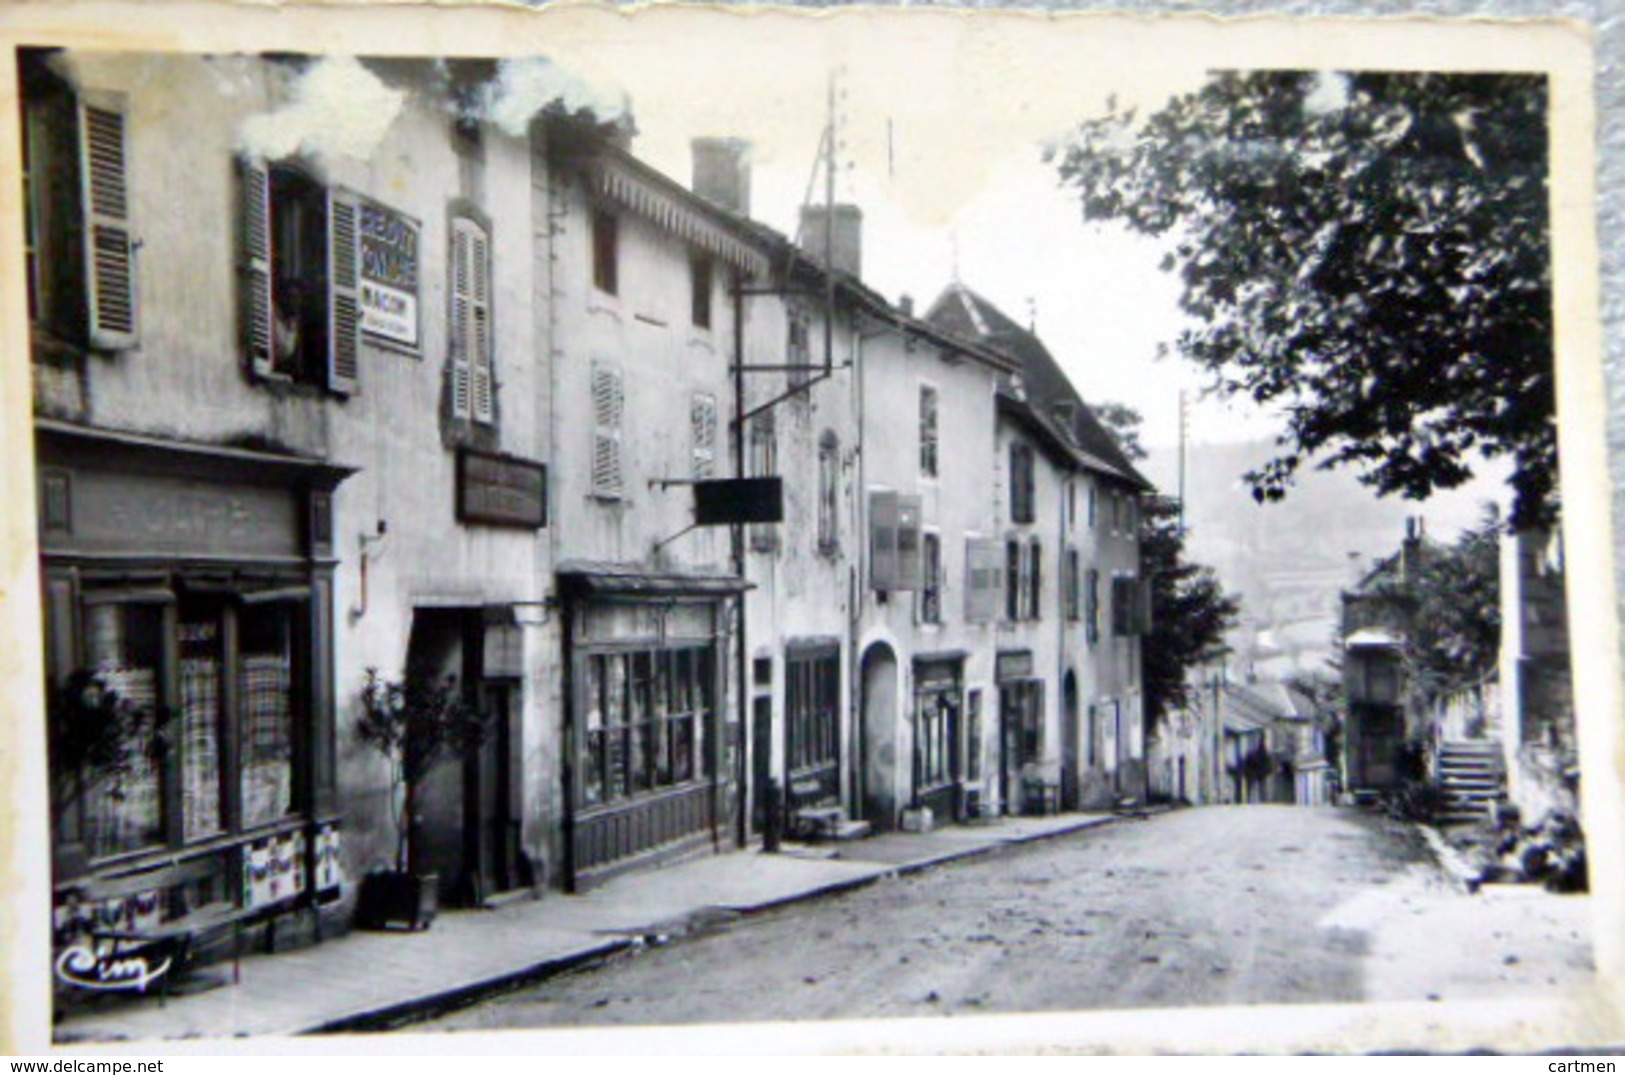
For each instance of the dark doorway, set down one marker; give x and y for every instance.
(761, 758)
(491, 787)
(1069, 742)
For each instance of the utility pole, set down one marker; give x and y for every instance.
(1184, 424)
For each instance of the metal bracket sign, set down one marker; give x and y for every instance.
(727, 501)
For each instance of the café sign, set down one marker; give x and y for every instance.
(389, 275)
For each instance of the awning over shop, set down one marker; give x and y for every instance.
(587, 578)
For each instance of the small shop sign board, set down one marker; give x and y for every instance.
(500, 490)
(389, 275)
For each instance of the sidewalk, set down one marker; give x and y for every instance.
(364, 980)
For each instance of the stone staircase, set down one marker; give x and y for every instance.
(1470, 773)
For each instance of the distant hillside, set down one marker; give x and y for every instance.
(1289, 560)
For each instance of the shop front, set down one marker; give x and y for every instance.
(188, 596)
(650, 743)
(1021, 733)
(939, 700)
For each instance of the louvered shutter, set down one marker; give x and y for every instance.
(256, 192)
(343, 293)
(883, 541)
(479, 339)
(703, 428)
(109, 244)
(462, 289)
(607, 403)
(910, 512)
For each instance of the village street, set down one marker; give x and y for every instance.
(1216, 905)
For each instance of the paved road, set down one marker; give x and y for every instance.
(1220, 905)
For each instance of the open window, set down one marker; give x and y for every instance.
(300, 278)
(79, 242)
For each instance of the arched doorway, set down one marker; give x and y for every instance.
(874, 797)
(1069, 741)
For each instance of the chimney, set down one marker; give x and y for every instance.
(846, 236)
(722, 172)
(905, 303)
(1064, 412)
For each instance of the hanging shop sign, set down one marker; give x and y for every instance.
(389, 275)
(723, 501)
(501, 490)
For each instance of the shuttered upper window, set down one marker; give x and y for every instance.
(301, 270)
(473, 381)
(702, 420)
(79, 240)
(608, 402)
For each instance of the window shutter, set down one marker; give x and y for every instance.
(1035, 604)
(702, 416)
(981, 580)
(1093, 610)
(607, 403)
(909, 560)
(883, 511)
(462, 316)
(479, 340)
(256, 183)
(343, 293)
(109, 245)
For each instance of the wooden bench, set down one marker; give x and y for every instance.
(187, 935)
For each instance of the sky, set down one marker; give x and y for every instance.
(941, 144)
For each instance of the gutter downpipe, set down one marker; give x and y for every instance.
(737, 541)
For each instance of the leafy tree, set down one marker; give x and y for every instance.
(1451, 593)
(1190, 613)
(1123, 422)
(1366, 254)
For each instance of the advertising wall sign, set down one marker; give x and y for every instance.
(389, 275)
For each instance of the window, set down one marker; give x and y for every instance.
(1091, 506)
(1013, 588)
(215, 679)
(981, 580)
(79, 243)
(1021, 483)
(644, 718)
(699, 283)
(702, 421)
(1035, 580)
(1092, 611)
(829, 474)
(606, 252)
(931, 579)
(798, 348)
(812, 694)
(301, 262)
(1071, 585)
(928, 431)
(763, 462)
(1131, 613)
(473, 390)
(608, 402)
(1071, 505)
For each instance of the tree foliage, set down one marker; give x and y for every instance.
(1366, 254)
(1123, 422)
(1190, 613)
(1452, 594)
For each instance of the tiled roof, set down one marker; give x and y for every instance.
(963, 312)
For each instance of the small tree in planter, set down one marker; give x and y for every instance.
(96, 739)
(415, 723)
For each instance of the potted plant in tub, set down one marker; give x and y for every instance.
(416, 723)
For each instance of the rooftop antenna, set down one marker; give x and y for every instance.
(1032, 315)
(953, 247)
